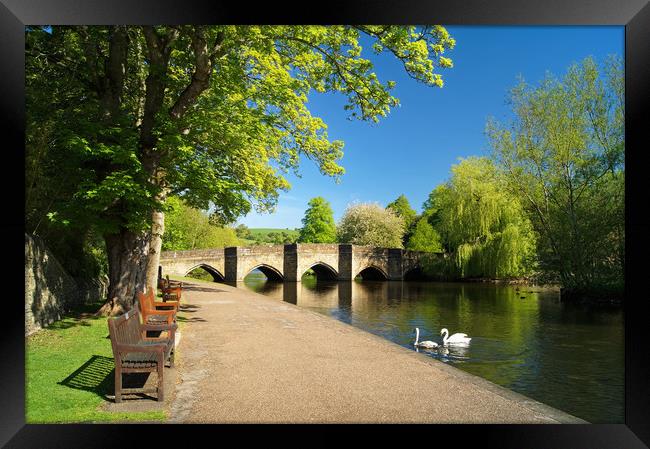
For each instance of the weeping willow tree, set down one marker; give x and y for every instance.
(484, 228)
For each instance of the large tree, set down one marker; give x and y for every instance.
(189, 228)
(216, 114)
(563, 155)
(318, 223)
(403, 209)
(424, 237)
(369, 224)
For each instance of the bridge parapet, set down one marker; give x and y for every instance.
(259, 250)
(182, 262)
(212, 252)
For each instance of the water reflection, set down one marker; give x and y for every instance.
(570, 357)
(447, 353)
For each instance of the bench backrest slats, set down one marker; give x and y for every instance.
(125, 329)
(146, 301)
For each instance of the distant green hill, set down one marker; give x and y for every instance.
(266, 231)
(271, 235)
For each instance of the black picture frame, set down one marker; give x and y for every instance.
(633, 14)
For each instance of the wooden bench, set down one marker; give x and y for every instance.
(171, 290)
(166, 282)
(172, 293)
(156, 312)
(134, 352)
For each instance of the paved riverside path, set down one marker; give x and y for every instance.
(247, 358)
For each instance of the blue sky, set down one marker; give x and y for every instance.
(412, 150)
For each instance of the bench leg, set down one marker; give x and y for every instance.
(161, 389)
(118, 385)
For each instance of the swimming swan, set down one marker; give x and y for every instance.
(423, 344)
(455, 339)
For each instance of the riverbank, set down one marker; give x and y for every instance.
(248, 358)
(597, 296)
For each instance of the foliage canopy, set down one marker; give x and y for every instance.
(563, 155)
(318, 223)
(424, 237)
(121, 117)
(372, 225)
(188, 228)
(482, 224)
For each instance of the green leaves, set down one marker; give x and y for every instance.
(249, 126)
(318, 223)
(403, 209)
(563, 155)
(372, 225)
(424, 237)
(482, 224)
(189, 228)
(121, 117)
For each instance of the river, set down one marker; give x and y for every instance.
(523, 338)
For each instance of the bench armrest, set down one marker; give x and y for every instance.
(173, 304)
(159, 327)
(121, 348)
(162, 312)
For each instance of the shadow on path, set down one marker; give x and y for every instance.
(182, 319)
(191, 308)
(196, 288)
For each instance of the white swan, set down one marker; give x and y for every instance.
(423, 344)
(456, 339)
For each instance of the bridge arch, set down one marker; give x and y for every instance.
(323, 271)
(372, 273)
(414, 274)
(216, 275)
(271, 273)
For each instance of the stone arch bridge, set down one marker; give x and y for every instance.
(289, 262)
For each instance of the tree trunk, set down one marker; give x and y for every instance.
(155, 246)
(127, 259)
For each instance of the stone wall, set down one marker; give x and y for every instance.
(49, 290)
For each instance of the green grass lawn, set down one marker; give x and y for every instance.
(69, 368)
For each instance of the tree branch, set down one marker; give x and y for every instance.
(204, 61)
(158, 53)
(115, 70)
(338, 68)
(90, 51)
(401, 57)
